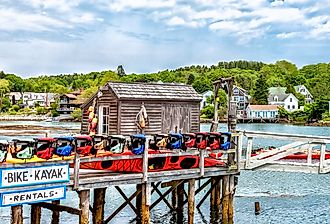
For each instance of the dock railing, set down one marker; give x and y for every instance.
(199, 172)
(275, 159)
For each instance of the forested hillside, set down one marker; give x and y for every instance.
(247, 73)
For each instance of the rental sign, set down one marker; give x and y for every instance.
(32, 196)
(27, 176)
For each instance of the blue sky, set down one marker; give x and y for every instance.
(66, 36)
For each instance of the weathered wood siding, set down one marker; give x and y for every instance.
(163, 117)
(108, 99)
(128, 112)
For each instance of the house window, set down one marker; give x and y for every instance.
(293, 106)
(236, 91)
(104, 112)
(276, 98)
(289, 107)
(290, 99)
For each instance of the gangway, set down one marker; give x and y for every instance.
(275, 159)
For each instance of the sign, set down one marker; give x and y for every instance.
(32, 196)
(16, 177)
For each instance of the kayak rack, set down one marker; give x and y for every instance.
(217, 183)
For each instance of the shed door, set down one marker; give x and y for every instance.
(104, 113)
(175, 115)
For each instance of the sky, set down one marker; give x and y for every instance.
(39, 37)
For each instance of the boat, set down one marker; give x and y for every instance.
(64, 146)
(3, 150)
(45, 147)
(84, 144)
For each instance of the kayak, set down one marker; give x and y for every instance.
(154, 164)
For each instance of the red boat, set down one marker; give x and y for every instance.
(45, 147)
(154, 164)
(84, 144)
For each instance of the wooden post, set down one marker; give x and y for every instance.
(191, 201)
(174, 198)
(257, 208)
(231, 199)
(212, 195)
(17, 214)
(98, 205)
(322, 157)
(201, 162)
(35, 214)
(138, 201)
(56, 214)
(76, 168)
(309, 154)
(225, 200)
(180, 189)
(248, 152)
(84, 206)
(218, 195)
(145, 213)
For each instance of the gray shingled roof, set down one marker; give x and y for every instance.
(154, 91)
(281, 97)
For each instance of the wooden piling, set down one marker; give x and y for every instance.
(84, 206)
(180, 189)
(212, 195)
(218, 194)
(145, 211)
(35, 214)
(231, 199)
(257, 208)
(17, 214)
(191, 201)
(138, 200)
(225, 200)
(56, 214)
(174, 198)
(98, 205)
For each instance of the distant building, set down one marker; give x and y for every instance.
(31, 99)
(288, 101)
(241, 97)
(304, 91)
(277, 96)
(205, 95)
(262, 111)
(68, 103)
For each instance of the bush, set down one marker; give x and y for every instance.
(55, 113)
(15, 108)
(77, 114)
(41, 110)
(208, 111)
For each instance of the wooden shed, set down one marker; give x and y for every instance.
(168, 106)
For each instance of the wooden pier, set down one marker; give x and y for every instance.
(216, 183)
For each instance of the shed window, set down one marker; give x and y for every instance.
(104, 112)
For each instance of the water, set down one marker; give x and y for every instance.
(284, 197)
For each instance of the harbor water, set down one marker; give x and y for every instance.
(284, 197)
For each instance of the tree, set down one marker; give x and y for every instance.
(121, 71)
(4, 87)
(77, 114)
(5, 104)
(191, 79)
(261, 90)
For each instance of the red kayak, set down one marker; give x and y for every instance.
(301, 156)
(154, 164)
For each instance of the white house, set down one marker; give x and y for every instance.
(288, 101)
(262, 111)
(304, 91)
(30, 99)
(205, 96)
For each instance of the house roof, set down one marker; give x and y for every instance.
(281, 97)
(277, 90)
(154, 91)
(71, 96)
(263, 107)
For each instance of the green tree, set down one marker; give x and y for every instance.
(4, 87)
(191, 79)
(261, 90)
(121, 71)
(5, 104)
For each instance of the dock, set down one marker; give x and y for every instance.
(219, 184)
